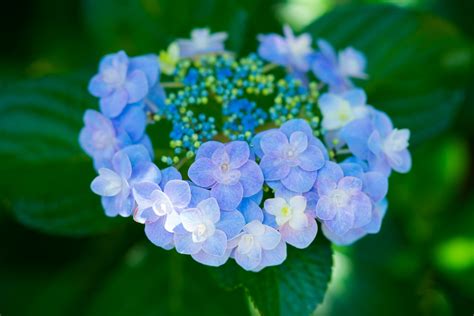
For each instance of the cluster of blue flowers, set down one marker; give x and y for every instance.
(257, 160)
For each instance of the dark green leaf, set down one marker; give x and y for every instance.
(417, 62)
(294, 288)
(46, 175)
(149, 25)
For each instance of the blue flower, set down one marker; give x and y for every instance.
(228, 171)
(258, 246)
(201, 42)
(374, 139)
(122, 80)
(296, 226)
(339, 110)
(290, 155)
(130, 166)
(373, 227)
(289, 51)
(159, 209)
(102, 137)
(205, 230)
(336, 70)
(342, 204)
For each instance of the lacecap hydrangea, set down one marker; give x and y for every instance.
(250, 155)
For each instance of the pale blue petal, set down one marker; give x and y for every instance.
(238, 152)
(178, 192)
(362, 209)
(331, 171)
(272, 257)
(168, 174)
(274, 168)
(350, 184)
(356, 134)
(207, 149)
(325, 210)
(228, 196)
(375, 185)
(249, 261)
(250, 210)
(342, 222)
(148, 64)
(201, 172)
(345, 239)
(198, 194)
(270, 238)
(231, 223)
(184, 244)
(300, 238)
(137, 154)
(378, 213)
(158, 235)
(274, 143)
(311, 159)
(210, 260)
(136, 86)
(210, 209)
(299, 180)
(145, 171)
(216, 244)
(251, 178)
(122, 164)
(113, 104)
(352, 169)
(133, 122)
(402, 163)
(98, 87)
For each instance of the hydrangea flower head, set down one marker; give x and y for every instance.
(336, 70)
(342, 204)
(130, 166)
(258, 246)
(291, 155)
(122, 80)
(375, 139)
(202, 42)
(228, 171)
(289, 50)
(297, 227)
(339, 110)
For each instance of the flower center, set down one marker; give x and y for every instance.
(340, 198)
(286, 211)
(162, 209)
(396, 141)
(246, 243)
(225, 167)
(200, 233)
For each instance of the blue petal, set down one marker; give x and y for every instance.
(375, 185)
(356, 134)
(299, 180)
(231, 223)
(300, 238)
(136, 86)
(228, 196)
(179, 193)
(145, 171)
(238, 152)
(158, 235)
(216, 244)
(251, 178)
(98, 87)
(184, 244)
(133, 122)
(250, 210)
(113, 104)
(210, 260)
(274, 168)
(207, 149)
(273, 257)
(201, 172)
(311, 159)
(167, 174)
(210, 209)
(148, 64)
(197, 195)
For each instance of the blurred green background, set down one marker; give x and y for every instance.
(61, 256)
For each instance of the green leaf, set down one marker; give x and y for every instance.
(295, 287)
(46, 175)
(417, 62)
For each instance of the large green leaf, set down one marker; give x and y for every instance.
(295, 287)
(45, 174)
(417, 62)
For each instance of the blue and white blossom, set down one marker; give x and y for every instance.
(295, 224)
(258, 246)
(130, 166)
